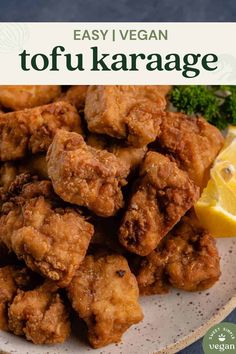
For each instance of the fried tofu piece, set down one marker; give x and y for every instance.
(8, 173)
(130, 155)
(76, 96)
(187, 259)
(51, 238)
(40, 315)
(11, 279)
(8, 289)
(84, 175)
(3, 317)
(18, 97)
(35, 165)
(104, 293)
(164, 89)
(133, 113)
(193, 142)
(32, 130)
(160, 198)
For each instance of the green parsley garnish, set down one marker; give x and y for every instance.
(217, 104)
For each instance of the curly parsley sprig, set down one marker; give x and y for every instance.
(216, 103)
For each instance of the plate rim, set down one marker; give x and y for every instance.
(199, 332)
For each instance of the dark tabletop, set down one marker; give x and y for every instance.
(122, 10)
(118, 10)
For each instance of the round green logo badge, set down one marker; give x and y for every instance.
(220, 339)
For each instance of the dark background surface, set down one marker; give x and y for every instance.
(117, 10)
(122, 10)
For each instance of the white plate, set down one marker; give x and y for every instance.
(171, 321)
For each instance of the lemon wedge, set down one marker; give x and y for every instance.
(216, 208)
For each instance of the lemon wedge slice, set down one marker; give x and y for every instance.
(216, 209)
(224, 176)
(218, 221)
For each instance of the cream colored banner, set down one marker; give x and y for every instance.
(117, 53)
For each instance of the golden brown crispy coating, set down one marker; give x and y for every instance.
(86, 176)
(105, 295)
(6, 257)
(20, 97)
(10, 170)
(32, 130)
(34, 164)
(8, 173)
(8, 289)
(125, 112)
(40, 315)
(187, 259)
(76, 96)
(130, 155)
(161, 197)
(164, 89)
(3, 318)
(50, 238)
(192, 142)
(11, 279)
